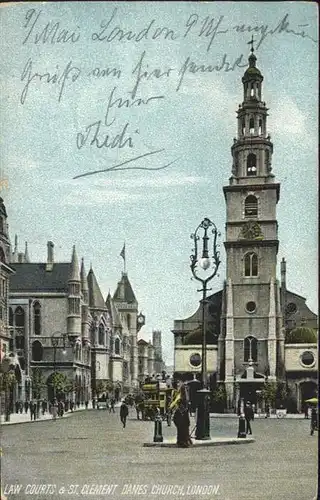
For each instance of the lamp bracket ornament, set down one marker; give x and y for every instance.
(210, 262)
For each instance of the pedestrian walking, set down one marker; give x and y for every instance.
(112, 403)
(60, 408)
(267, 410)
(306, 411)
(124, 413)
(314, 421)
(26, 406)
(20, 406)
(86, 404)
(54, 409)
(71, 405)
(17, 406)
(249, 415)
(33, 410)
(44, 406)
(38, 405)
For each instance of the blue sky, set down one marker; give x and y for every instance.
(154, 212)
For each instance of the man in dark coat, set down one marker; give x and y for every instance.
(33, 410)
(124, 413)
(249, 415)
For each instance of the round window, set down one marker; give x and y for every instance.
(195, 359)
(251, 306)
(291, 308)
(307, 358)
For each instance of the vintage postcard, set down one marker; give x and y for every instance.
(158, 250)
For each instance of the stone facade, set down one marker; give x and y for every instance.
(247, 321)
(59, 322)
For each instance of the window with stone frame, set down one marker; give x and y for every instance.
(251, 264)
(250, 349)
(251, 206)
(37, 351)
(10, 316)
(251, 164)
(117, 346)
(101, 334)
(19, 318)
(37, 318)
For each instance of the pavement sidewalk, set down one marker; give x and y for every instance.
(23, 418)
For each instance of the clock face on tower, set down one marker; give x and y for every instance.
(251, 231)
(141, 319)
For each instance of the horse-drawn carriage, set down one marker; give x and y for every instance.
(154, 396)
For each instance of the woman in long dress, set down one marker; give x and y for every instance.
(181, 419)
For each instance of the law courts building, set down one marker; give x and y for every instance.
(257, 330)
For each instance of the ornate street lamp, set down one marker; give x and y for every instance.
(204, 266)
(55, 342)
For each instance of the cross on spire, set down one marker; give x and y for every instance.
(251, 43)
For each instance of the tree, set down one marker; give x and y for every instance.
(269, 393)
(219, 397)
(7, 381)
(60, 383)
(37, 382)
(100, 387)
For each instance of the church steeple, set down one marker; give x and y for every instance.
(252, 149)
(250, 315)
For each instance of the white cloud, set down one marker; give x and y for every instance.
(287, 118)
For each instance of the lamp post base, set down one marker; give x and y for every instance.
(203, 416)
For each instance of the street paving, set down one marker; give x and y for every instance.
(90, 455)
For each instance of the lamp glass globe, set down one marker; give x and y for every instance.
(204, 263)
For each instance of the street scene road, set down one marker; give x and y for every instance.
(90, 455)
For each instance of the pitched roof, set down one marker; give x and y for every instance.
(124, 292)
(95, 295)
(142, 342)
(33, 277)
(113, 311)
(74, 269)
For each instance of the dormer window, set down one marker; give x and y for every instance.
(251, 164)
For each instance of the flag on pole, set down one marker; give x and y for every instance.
(123, 252)
(123, 255)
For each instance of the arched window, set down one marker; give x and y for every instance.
(128, 320)
(251, 206)
(37, 351)
(251, 264)
(252, 90)
(243, 126)
(101, 334)
(251, 126)
(250, 349)
(10, 316)
(260, 127)
(117, 346)
(2, 254)
(19, 313)
(267, 158)
(37, 318)
(251, 164)
(19, 342)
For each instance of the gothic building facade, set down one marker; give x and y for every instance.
(59, 322)
(250, 322)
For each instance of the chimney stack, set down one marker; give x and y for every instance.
(50, 259)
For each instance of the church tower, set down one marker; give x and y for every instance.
(251, 290)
